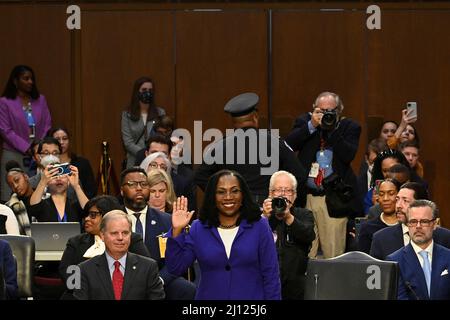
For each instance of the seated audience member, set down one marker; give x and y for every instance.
(365, 171)
(400, 173)
(233, 244)
(119, 274)
(388, 129)
(405, 131)
(8, 221)
(183, 185)
(87, 180)
(19, 183)
(162, 195)
(423, 263)
(58, 207)
(48, 152)
(381, 165)
(9, 270)
(90, 244)
(390, 239)
(410, 150)
(156, 143)
(386, 197)
(151, 224)
(163, 126)
(293, 230)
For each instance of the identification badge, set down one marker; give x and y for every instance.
(314, 172)
(162, 246)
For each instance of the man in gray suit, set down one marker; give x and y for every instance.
(119, 274)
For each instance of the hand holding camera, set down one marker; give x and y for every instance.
(277, 206)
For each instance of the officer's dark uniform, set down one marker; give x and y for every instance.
(241, 105)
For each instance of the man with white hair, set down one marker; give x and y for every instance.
(327, 143)
(293, 230)
(119, 274)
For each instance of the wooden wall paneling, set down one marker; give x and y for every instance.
(316, 51)
(219, 55)
(117, 47)
(409, 61)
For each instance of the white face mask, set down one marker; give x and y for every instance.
(50, 159)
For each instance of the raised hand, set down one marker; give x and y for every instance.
(180, 215)
(74, 179)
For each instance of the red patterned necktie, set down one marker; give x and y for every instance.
(117, 280)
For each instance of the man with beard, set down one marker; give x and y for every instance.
(389, 240)
(386, 197)
(151, 224)
(423, 264)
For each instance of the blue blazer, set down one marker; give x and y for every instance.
(390, 239)
(156, 223)
(8, 267)
(251, 272)
(412, 284)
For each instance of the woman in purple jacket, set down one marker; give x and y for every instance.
(24, 116)
(234, 246)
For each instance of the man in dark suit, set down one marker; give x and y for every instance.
(152, 224)
(327, 144)
(119, 274)
(424, 265)
(89, 244)
(255, 153)
(8, 270)
(390, 239)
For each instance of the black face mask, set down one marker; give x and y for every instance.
(146, 97)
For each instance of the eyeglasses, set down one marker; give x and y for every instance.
(54, 153)
(423, 222)
(232, 193)
(93, 214)
(155, 165)
(288, 192)
(134, 184)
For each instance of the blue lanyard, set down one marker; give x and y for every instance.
(29, 116)
(64, 218)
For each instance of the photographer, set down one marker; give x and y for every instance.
(293, 230)
(327, 143)
(58, 207)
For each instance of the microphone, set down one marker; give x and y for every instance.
(316, 286)
(408, 285)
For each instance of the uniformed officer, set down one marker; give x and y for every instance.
(253, 152)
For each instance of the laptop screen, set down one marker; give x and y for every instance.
(53, 236)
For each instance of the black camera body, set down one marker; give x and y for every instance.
(279, 205)
(329, 120)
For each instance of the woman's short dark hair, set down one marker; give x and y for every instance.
(104, 204)
(134, 108)
(377, 173)
(10, 90)
(209, 213)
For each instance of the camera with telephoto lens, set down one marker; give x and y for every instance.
(279, 205)
(329, 120)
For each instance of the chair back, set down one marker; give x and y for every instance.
(23, 250)
(351, 276)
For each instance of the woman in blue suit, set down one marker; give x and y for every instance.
(234, 246)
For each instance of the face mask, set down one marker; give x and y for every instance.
(50, 159)
(146, 97)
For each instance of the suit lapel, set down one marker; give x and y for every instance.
(104, 276)
(417, 271)
(436, 269)
(131, 269)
